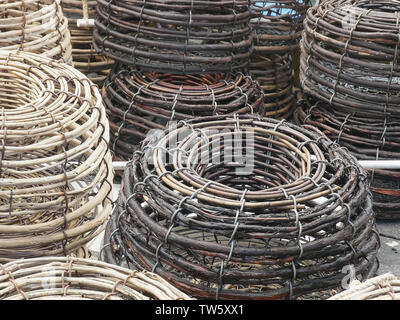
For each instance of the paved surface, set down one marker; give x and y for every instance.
(389, 253)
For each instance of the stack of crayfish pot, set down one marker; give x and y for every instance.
(350, 71)
(244, 207)
(140, 103)
(55, 166)
(35, 26)
(80, 14)
(276, 30)
(176, 61)
(71, 278)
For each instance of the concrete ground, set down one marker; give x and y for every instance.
(389, 253)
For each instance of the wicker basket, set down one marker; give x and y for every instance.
(278, 217)
(55, 166)
(35, 26)
(140, 103)
(277, 25)
(86, 60)
(349, 63)
(187, 36)
(70, 278)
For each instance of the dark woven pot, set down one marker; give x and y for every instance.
(350, 54)
(55, 165)
(188, 36)
(280, 219)
(71, 278)
(366, 138)
(86, 60)
(140, 103)
(276, 79)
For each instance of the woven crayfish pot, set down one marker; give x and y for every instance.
(55, 166)
(277, 25)
(244, 207)
(35, 26)
(367, 138)
(349, 66)
(140, 104)
(383, 287)
(86, 60)
(70, 278)
(276, 79)
(350, 53)
(188, 36)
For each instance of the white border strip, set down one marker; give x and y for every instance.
(367, 164)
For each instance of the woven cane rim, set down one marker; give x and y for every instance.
(138, 103)
(383, 287)
(55, 164)
(367, 138)
(71, 278)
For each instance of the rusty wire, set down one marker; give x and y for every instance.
(277, 25)
(276, 78)
(188, 36)
(138, 103)
(244, 208)
(35, 26)
(367, 138)
(55, 165)
(71, 278)
(93, 65)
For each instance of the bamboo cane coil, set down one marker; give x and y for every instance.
(71, 278)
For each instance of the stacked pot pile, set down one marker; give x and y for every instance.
(276, 29)
(244, 207)
(70, 278)
(35, 26)
(350, 70)
(189, 36)
(275, 76)
(140, 103)
(55, 166)
(86, 60)
(176, 61)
